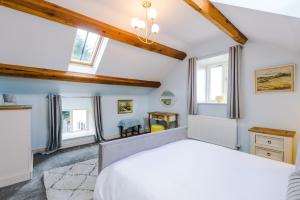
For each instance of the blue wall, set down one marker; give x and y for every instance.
(34, 92)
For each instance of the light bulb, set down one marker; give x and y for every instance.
(155, 28)
(152, 13)
(134, 22)
(141, 24)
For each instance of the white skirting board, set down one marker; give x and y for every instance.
(220, 131)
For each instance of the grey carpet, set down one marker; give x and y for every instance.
(72, 182)
(34, 189)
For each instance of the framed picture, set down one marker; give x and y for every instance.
(275, 79)
(125, 106)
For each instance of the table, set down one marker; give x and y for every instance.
(168, 117)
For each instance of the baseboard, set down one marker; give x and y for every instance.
(38, 150)
(69, 144)
(15, 179)
(75, 143)
(79, 142)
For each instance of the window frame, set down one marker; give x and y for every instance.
(207, 68)
(96, 51)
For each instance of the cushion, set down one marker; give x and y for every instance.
(157, 128)
(293, 191)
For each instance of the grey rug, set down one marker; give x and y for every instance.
(72, 182)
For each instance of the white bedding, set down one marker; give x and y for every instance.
(193, 170)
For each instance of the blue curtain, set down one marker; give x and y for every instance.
(54, 122)
(98, 118)
(233, 102)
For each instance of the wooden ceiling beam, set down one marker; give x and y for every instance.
(214, 15)
(58, 75)
(68, 17)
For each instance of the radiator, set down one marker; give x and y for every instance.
(220, 131)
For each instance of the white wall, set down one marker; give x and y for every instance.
(176, 83)
(274, 110)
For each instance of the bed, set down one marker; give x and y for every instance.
(171, 167)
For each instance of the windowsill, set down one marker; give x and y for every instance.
(75, 135)
(82, 68)
(212, 104)
(81, 64)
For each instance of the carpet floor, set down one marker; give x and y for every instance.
(72, 182)
(34, 189)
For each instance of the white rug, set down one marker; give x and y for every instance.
(73, 182)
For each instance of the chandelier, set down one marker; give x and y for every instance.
(146, 30)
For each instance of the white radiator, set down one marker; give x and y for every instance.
(220, 131)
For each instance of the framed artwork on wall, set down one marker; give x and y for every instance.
(275, 79)
(125, 106)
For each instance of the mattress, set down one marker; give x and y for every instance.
(193, 170)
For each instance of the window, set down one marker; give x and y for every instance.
(85, 48)
(212, 83)
(77, 118)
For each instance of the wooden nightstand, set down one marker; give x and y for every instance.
(272, 143)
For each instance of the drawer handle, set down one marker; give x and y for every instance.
(268, 154)
(269, 142)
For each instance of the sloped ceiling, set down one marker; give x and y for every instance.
(32, 41)
(121, 61)
(178, 22)
(285, 7)
(279, 30)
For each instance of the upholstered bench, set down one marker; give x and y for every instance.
(129, 127)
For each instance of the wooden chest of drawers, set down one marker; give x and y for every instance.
(272, 143)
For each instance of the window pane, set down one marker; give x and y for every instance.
(201, 85)
(66, 121)
(216, 84)
(80, 120)
(212, 79)
(79, 44)
(90, 47)
(85, 47)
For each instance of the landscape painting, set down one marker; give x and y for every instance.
(125, 106)
(275, 79)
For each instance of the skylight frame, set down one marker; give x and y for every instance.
(95, 52)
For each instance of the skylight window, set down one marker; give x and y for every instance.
(85, 48)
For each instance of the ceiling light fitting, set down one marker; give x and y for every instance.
(146, 30)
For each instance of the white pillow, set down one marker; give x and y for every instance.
(293, 191)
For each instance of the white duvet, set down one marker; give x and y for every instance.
(193, 170)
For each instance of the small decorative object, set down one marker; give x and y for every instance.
(9, 99)
(220, 99)
(167, 98)
(125, 106)
(275, 79)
